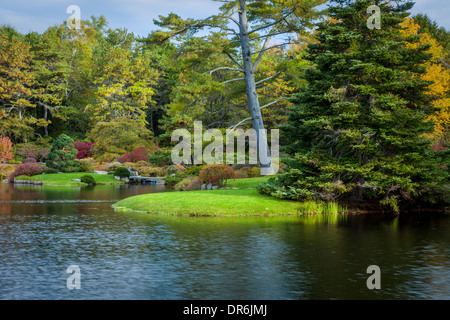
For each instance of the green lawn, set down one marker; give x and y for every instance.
(222, 202)
(65, 179)
(246, 183)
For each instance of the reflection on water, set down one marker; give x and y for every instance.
(43, 230)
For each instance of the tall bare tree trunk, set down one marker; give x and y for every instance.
(252, 96)
(46, 118)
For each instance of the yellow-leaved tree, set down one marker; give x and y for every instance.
(440, 75)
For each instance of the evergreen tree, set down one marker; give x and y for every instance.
(358, 132)
(62, 155)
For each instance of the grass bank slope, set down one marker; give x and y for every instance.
(65, 179)
(241, 199)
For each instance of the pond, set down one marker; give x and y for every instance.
(44, 230)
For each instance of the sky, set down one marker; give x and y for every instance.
(137, 15)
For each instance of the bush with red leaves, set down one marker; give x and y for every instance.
(27, 169)
(138, 154)
(84, 149)
(216, 174)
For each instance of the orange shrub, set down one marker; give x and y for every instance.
(5, 149)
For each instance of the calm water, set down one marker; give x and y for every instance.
(43, 230)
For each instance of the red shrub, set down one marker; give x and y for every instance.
(126, 158)
(26, 169)
(84, 149)
(216, 174)
(32, 160)
(138, 154)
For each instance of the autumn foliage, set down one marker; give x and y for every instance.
(138, 154)
(216, 174)
(26, 169)
(84, 149)
(5, 149)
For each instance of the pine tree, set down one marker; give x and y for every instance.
(358, 132)
(62, 155)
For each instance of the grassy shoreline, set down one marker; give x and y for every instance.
(65, 179)
(238, 198)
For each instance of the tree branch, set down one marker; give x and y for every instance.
(274, 46)
(224, 68)
(263, 36)
(445, 64)
(232, 80)
(268, 78)
(241, 122)
(275, 22)
(260, 54)
(273, 102)
(235, 21)
(232, 59)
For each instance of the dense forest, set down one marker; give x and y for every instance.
(364, 113)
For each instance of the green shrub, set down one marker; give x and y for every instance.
(194, 170)
(161, 157)
(113, 166)
(88, 179)
(122, 172)
(150, 171)
(86, 165)
(62, 155)
(173, 180)
(173, 170)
